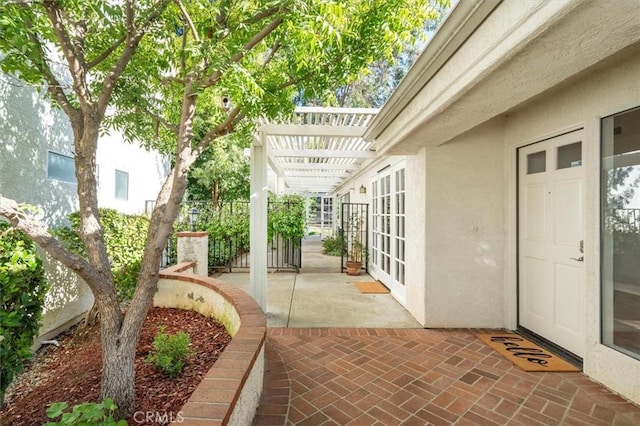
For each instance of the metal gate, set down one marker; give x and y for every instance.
(354, 230)
(229, 245)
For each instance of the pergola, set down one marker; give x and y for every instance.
(318, 148)
(314, 152)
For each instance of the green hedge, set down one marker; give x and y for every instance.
(22, 291)
(125, 237)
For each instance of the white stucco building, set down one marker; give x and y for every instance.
(490, 192)
(36, 167)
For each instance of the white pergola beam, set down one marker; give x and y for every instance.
(322, 153)
(316, 173)
(318, 166)
(313, 130)
(336, 110)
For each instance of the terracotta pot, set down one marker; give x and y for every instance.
(354, 268)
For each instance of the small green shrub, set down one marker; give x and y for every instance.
(332, 246)
(125, 237)
(170, 352)
(22, 291)
(87, 414)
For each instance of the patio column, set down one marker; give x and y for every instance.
(258, 221)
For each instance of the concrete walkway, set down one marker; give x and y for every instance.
(338, 357)
(321, 296)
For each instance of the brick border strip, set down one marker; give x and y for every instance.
(231, 390)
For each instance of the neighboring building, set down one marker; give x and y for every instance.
(506, 189)
(36, 167)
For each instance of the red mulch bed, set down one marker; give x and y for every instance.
(72, 371)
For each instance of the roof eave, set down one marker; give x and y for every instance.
(461, 22)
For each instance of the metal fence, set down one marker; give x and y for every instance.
(229, 240)
(354, 233)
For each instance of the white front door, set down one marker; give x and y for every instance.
(551, 207)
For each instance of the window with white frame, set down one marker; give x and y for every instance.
(620, 232)
(122, 185)
(61, 167)
(388, 224)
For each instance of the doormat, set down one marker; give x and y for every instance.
(373, 287)
(524, 353)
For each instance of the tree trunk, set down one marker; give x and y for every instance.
(118, 356)
(118, 374)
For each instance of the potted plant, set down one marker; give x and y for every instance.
(355, 248)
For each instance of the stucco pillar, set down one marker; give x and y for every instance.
(258, 222)
(194, 247)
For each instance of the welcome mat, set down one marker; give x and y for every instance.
(524, 353)
(373, 287)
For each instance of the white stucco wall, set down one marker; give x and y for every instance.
(611, 88)
(465, 230)
(66, 301)
(29, 127)
(147, 171)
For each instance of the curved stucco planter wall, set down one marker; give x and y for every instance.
(231, 390)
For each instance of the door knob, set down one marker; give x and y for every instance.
(579, 259)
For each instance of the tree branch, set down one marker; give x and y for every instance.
(159, 119)
(187, 18)
(132, 38)
(221, 129)
(21, 221)
(262, 15)
(108, 51)
(293, 81)
(257, 38)
(75, 61)
(53, 85)
(171, 79)
(272, 53)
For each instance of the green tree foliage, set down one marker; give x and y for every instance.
(286, 217)
(221, 174)
(22, 291)
(162, 69)
(372, 87)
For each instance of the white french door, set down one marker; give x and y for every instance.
(551, 210)
(388, 229)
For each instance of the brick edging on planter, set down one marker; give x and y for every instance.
(219, 398)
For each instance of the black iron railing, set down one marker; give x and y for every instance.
(229, 242)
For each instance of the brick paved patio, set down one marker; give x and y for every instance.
(419, 377)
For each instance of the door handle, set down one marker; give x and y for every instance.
(579, 259)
